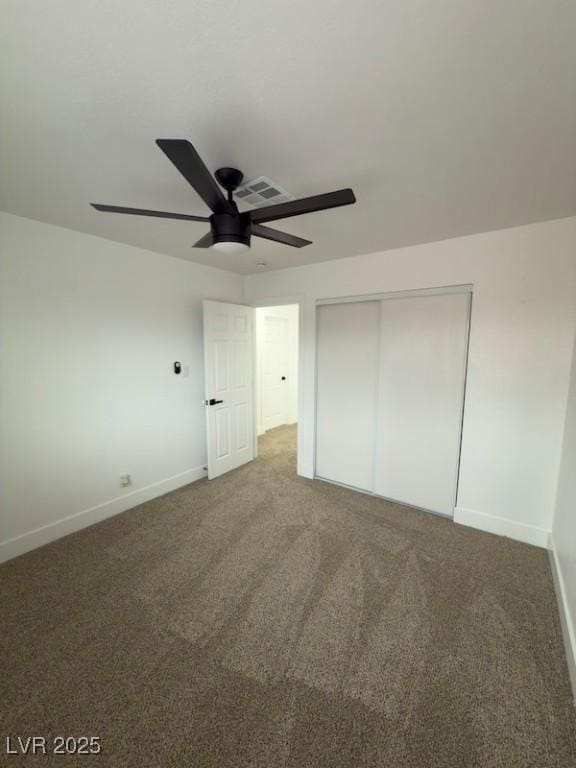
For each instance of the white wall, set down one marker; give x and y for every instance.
(290, 313)
(522, 327)
(89, 331)
(563, 539)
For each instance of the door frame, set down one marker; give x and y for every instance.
(465, 288)
(259, 341)
(281, 301)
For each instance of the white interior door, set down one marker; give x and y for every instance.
(274, 371)
(228, 344)
(347, 378)
(423, 346)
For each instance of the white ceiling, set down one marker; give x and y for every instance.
(446, 117)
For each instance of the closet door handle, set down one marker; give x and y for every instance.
(212, 401)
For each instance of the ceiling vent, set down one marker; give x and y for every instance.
(262, 191)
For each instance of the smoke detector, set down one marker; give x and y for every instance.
(262, 191)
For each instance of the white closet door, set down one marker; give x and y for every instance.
(347, 369)
(423, 344)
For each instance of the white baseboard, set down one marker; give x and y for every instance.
(566, 621)
(529, 534)
(47, 533)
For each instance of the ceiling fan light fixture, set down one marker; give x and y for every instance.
(231, 229)
(231, 247)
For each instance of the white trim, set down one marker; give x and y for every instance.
(278, 301)
(501, 526)
(566, 622)
(408, 294)
(47, 533)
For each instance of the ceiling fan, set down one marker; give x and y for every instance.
(231, 230)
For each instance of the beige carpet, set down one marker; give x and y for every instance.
(265, 620)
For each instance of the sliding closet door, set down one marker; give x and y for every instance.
(423, 344)
(346, 392)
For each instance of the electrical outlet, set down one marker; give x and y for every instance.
(125, 480)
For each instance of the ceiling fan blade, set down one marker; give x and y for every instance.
(305, 205)
(189, 163)
(204, 242)
(280, 237)
(144, 212)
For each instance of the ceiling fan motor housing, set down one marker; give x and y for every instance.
(230, 228)
(229, 178)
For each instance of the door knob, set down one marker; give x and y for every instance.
(212, 401)
(283, 378)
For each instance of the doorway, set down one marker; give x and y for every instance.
(251, 380)
(276, 362)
